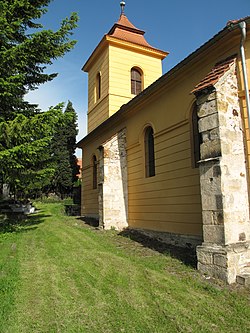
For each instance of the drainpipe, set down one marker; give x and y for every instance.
(242, 26)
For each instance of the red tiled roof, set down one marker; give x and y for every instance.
(237, 21)
(79, 162)
(123, 20)
(129, 36)
(215, 74)
(126, 31)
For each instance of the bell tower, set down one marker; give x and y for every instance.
(120, 67)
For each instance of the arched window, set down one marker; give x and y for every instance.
(149, 152)
(196, 138)
(98, 86)
(136, 81)
(94, 163)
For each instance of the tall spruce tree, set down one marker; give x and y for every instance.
(25, 50)
(63, 147)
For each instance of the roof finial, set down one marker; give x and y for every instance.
(122, 4)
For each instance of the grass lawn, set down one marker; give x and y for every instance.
(59, 275)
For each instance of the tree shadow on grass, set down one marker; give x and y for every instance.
(185, 255)
(20, 222)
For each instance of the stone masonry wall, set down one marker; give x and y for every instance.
(225, 252)
(113, 188)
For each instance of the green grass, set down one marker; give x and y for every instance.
(59, 275)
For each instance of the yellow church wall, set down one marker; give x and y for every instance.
(114, 64)
(89, 205)
(98, 114)
(98, 109)
(170, 201)
(121, 60)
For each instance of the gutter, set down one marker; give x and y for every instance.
(242, 26)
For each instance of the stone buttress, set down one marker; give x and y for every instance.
(225, 252)
(113, 187)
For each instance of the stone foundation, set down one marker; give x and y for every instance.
(185, 241)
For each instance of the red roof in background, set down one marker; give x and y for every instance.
(79, 162)
(215, 74)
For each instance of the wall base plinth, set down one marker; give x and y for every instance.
(224, 262)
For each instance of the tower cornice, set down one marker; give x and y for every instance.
(110, 40)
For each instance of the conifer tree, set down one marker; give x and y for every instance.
(25, 50)
(63, 147)
(26, 156)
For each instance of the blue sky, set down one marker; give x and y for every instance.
(179, 27)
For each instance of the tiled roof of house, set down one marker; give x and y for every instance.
(215, 74)
(126, 31)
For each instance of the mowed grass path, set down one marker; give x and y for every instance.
(58, 275)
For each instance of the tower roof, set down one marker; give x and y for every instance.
(124, 32)
(123, 29)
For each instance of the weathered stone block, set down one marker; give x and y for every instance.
(216, 171)
(208, 202)
(208, 123)
(205, 258)
(207, 217)
(220, 260)
(213, 234)
(207, 108)
(205, 269)
(213, 271)
(243, 279)
(214, 134)
(203, 98)
(205, 136)
(218, 218)
(222, 105)
(210, 149)
(210, 217)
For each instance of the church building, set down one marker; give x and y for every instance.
(168, 154)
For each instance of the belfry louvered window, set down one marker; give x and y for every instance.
(136, 81)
